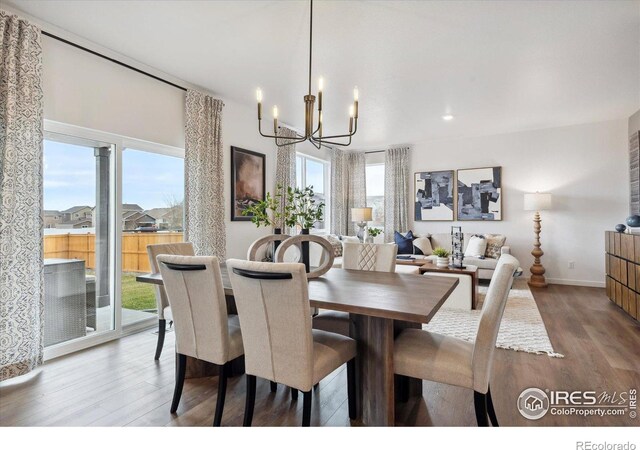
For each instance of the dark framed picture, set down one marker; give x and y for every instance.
(247, 181)
(480, 193)
(433, 195)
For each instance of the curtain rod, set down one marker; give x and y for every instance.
(120, 63)
(374, 151)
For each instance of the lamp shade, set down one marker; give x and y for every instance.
(361, 214)
(537, 202)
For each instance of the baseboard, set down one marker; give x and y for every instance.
(598, 284)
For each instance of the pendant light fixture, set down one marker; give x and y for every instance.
(316, 137)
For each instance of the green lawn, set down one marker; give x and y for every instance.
(136, 295)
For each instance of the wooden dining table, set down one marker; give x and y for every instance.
(381, 305)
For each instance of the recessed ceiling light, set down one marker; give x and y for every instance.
(447, 117)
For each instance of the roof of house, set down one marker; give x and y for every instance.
(131, 207)
(51, 212)
(157, 213)
(76, 222)
(75, 209)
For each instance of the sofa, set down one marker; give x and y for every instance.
(486, 265)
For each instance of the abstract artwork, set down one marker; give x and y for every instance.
(247, 181)
(434, 195)
(480, 194)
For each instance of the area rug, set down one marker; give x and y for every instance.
(521, 329)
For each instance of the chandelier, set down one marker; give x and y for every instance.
(316, 136)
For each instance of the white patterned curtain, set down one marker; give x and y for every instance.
(204, 175)
(396, 191)
(21, 224)
(285, 169)
(348, 189)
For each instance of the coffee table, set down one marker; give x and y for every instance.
(472, 271)
(412, 262)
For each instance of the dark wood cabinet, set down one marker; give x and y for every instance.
(623, 271)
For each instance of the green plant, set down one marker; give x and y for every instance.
(441, 252)
(266, 212)
(373, 232)
(301, 208)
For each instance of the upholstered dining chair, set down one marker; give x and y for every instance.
(162, 304)
(444, 359)
(280, 346)
(357, 256)
(203, 328)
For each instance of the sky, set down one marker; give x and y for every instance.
(148, 179)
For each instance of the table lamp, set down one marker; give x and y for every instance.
(361, 216)
(537, 202)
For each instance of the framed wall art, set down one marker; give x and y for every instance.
(247, 181)
(480, 193)
(434, 195)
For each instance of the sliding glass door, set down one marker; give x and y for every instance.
(152, 213)
(78, 248)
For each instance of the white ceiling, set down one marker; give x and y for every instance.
(498, 66)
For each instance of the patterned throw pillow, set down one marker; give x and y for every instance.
(336, 244)
(495, 242)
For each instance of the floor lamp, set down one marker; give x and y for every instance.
(537, 202)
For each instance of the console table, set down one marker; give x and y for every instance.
(622, 263)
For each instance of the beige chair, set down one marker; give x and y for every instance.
(203, 329)
(356, 256)
(435, 357)
(280, 346)
(162, 304)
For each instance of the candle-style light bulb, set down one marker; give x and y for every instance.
(356, 94)
(259, 95)
(275, 112)
(320, 84)
(351, 111)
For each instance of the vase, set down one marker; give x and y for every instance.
(304, 248)
(633, 221)
(620, 228)
(442, 262)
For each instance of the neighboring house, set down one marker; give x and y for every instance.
(76, 213)
(167, 218)
(52, 217)
(80, 223)
(134, 219)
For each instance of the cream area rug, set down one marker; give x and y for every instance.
(521, 329)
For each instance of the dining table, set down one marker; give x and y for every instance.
(381, 305)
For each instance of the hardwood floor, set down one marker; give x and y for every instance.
(119, 383)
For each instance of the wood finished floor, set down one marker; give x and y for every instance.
(119, 384)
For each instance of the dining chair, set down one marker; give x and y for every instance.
(203, 328)
(357, 256)
(444, 359)
(162, 304)
(280, 345)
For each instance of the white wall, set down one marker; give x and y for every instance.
(583, 166)
(85, 90)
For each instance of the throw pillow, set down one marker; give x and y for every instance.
(336, 244)
(495, 242)
(405, 244)
(476, 247)
(423, 244)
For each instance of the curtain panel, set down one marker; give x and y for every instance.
(285, 170)
(21, 223)
(348, 189)
(204, 175)
(396, 191)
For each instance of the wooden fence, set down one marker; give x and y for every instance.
(82, 246)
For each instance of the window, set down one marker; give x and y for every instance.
(315, 172)
(375, 193)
